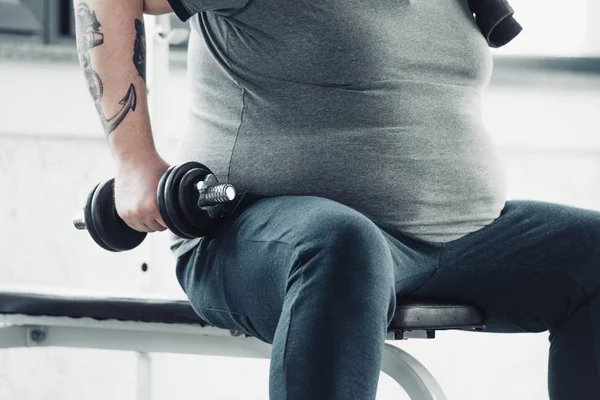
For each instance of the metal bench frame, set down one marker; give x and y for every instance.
(19, 331)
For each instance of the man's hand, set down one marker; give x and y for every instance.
(136, 184)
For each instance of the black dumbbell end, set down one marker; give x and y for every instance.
(113, 231)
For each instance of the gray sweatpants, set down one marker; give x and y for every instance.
(319, 280)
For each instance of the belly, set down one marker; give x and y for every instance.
(378, 110)
(414, 157)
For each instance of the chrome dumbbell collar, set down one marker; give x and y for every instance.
(211, 192)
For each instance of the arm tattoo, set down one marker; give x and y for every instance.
(139, 49)
(88, 37)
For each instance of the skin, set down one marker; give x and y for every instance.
(111, 44)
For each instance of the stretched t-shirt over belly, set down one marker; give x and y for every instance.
(376, 105)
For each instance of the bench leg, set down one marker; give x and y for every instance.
(144, 377)
(410, 374)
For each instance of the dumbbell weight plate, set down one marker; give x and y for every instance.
(115, 233)
(162, 208)
(89, 221)
(172, 202)
(199, 220)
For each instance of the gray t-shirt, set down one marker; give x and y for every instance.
(376, 105)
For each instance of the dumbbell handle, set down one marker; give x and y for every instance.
(207, 196)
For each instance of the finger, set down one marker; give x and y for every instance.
(139, 226)
(133, 225)
(147, 227)
(162, 222)
(155, 226)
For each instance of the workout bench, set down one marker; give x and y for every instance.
(70, 319)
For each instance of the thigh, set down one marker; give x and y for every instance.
(238, 279)
(529, 270)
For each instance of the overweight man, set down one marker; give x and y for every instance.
(358, 126)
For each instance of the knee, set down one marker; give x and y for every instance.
(340, 228)
(346, 254)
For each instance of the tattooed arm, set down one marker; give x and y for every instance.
(112, 52)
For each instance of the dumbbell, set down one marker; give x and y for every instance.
(190, 201)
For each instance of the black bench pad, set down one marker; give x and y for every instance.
(100, 307)
(59, 303)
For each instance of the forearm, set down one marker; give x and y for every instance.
(112, 52)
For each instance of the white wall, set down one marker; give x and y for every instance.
(52, 152)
